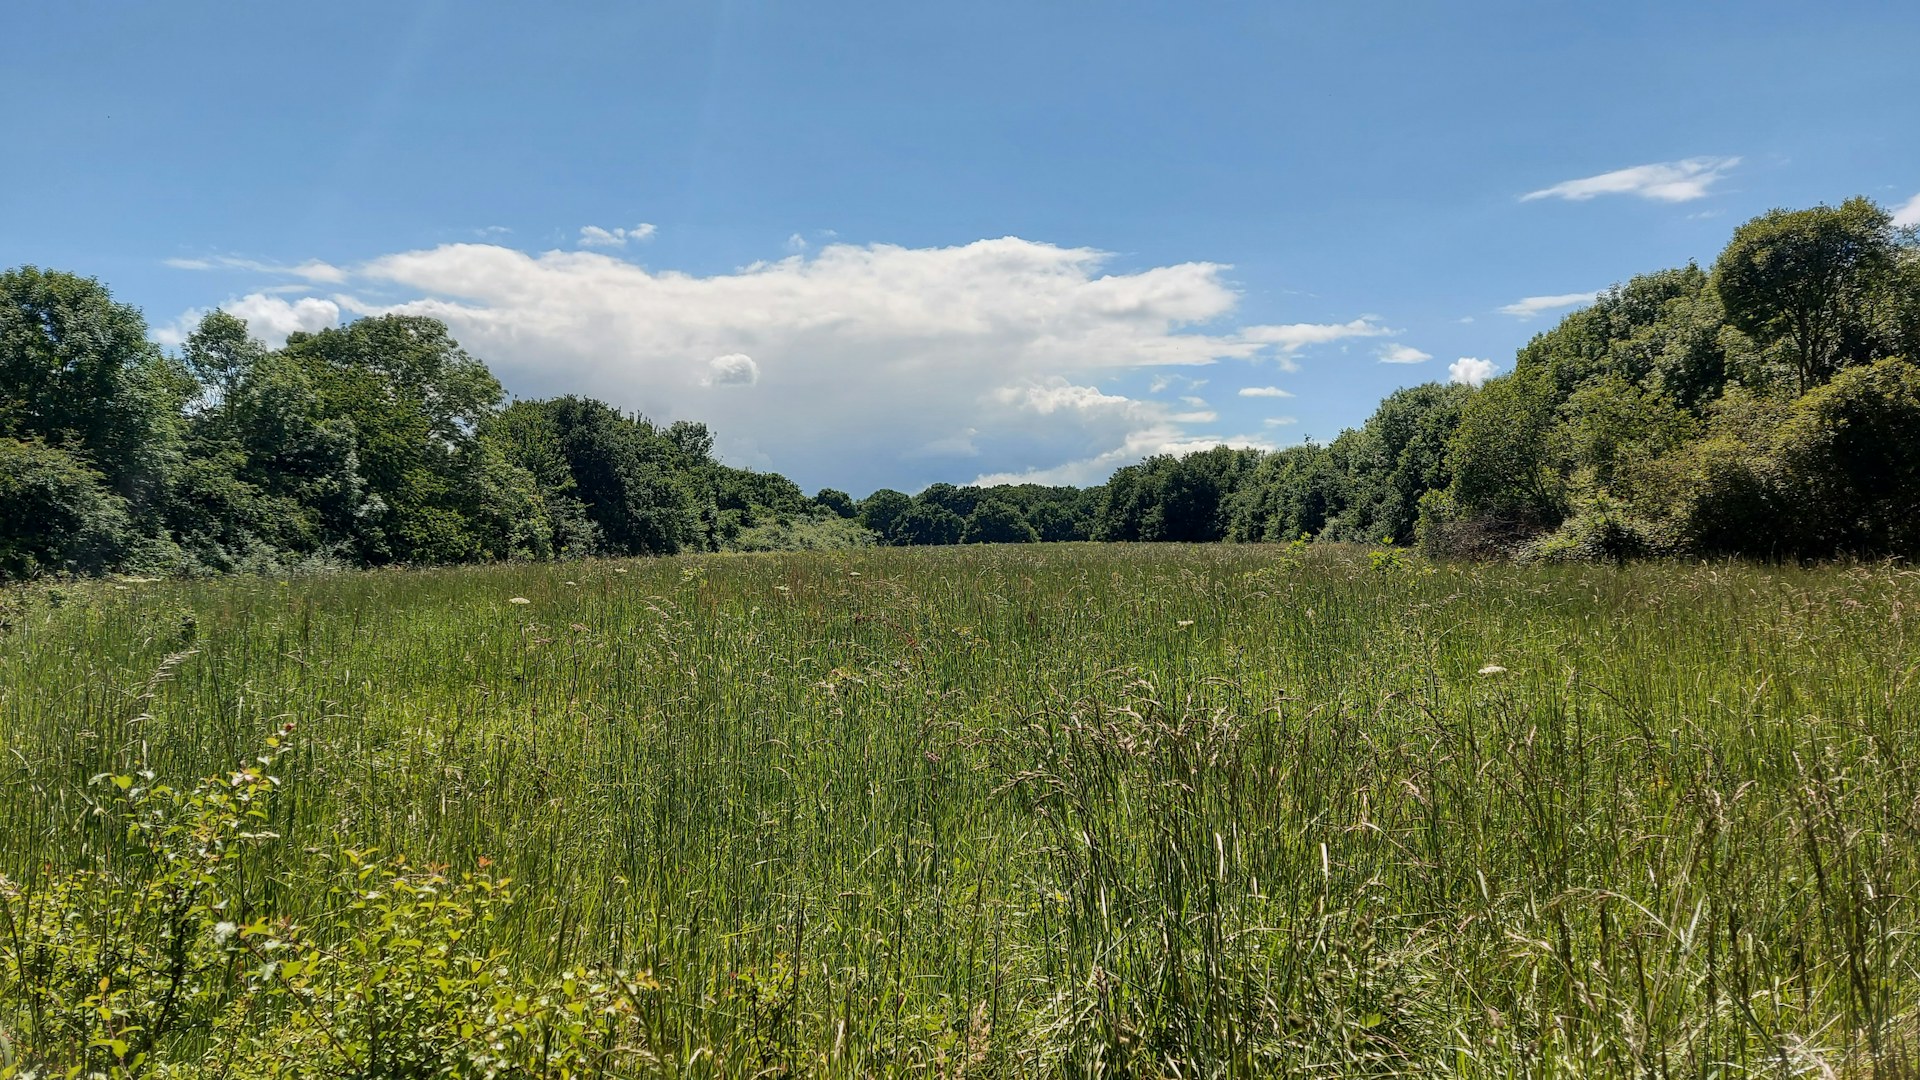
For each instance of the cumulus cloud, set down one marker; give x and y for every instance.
(1403, 354)
(1908, 213)
(1666, 181)
(595, 236)
(996, 357)
(269, 318)
(1263, 391)
(1470, 371)
(733, 369)
(1528, 307)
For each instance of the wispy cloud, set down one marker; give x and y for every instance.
(595, 236)
(1263, 391)
(1528, 307)
(1908, 214)
(1666, 181)
(1403, 354)
(311, 270)
(1288, 339)
(1470, 371)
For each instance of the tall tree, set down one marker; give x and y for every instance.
(1812, 281)
(77, 371)
(415, 400)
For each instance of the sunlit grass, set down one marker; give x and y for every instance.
(1075, 810)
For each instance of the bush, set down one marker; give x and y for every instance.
(56, 515)
(1849, 453)
(155, 960)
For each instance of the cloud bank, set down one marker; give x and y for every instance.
(853, 365)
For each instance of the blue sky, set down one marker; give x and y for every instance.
(886, 244)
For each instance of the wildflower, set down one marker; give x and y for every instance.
(222, 931)
(619, 570)
(1493, 669)
(1184, 623)
(518, 600)
(573, 583)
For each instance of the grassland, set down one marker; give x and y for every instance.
(1064, 810)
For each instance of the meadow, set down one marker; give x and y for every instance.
(1049, 810)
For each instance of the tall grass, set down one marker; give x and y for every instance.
(1072, 810)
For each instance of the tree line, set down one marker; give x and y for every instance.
(1767, 406)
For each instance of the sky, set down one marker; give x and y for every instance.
(883, 244)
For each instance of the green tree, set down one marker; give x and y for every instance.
(623, 470)
(525, 434)
(837, 503)
(1501, 456)
(1813, 280)
(56, 515)
(1849, 454)
(220, 352)
(882, 511)
(415, 400)
(77, 372)
(958, 501)
(1292, 493)
(928, 524)
(998, 521)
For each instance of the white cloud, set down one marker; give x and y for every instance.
(269, 318)
(1280, 421)
(1289, 339)
(1470, 371)
(1145, 443)
(1528, 307)
(733, 369)
(1908, 213)
(312, 270)
(796, 243)
(988, 356)
(1263, 391)
(1403, 354)
(1056, 394)
(595, 236)
(1666, 181)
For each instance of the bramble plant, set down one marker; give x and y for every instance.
(123, 970)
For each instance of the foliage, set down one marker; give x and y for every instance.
(1816, 281)
(165, 956)
(927, 523)
(998, 521)
(56, 514)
